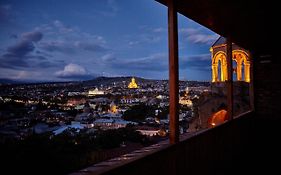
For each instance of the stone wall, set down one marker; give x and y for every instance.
(267, 86)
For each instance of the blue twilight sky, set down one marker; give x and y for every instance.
(61, 40)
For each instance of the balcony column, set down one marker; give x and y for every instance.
(247, 71)
(239, 70)
(214, 73)
(173, 72)
(251, 80)
(229, 78)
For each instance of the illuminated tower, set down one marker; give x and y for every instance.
(133, 84)
(219, 65)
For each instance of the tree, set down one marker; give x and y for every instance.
(138, 112)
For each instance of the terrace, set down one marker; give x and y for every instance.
(247, 143)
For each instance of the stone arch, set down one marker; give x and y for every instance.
(242, 59)
(234, 67)
(219, 56)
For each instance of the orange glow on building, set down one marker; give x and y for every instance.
(74, 102)
(113, 108)
(217, 118)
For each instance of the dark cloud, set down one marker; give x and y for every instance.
(18, 55)
(46, 64)
(24, 46)
(39, 61)
(70, 48)
(34, 36)
(156, 62)
(76, 77)
(36, 57)
(21, 48)
(42, 62)
(10, 60)
(198, 62)
(38, 52)
(159, 62)
(71, 39)
(57, 46)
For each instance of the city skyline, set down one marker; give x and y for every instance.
(67, 40)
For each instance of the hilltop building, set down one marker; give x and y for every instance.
(95, 92)
(133, 84)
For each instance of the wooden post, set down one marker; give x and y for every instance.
(173, 72)
(251, 85)
(229, 78)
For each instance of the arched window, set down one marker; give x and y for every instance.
(243, 70)
(220, 70)
(234, 72)
(219, 67)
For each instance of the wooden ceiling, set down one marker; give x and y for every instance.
(252, 24)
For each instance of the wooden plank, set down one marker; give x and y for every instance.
(229, 78)
(251, 86)
(173, 72)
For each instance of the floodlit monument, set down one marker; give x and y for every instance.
(212, 107)
(240, 58)
(95, 91)
(133, 84)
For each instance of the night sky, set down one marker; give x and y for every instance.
(62, 40)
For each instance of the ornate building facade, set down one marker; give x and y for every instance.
(212, 107)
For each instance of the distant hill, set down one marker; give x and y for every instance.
(9, 81)
(110, 80)
(5, 81)
(95, 82)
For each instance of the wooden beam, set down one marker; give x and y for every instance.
(173, 72)
(251, 85)
(229, 78)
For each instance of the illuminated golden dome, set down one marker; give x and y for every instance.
(133, 84)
